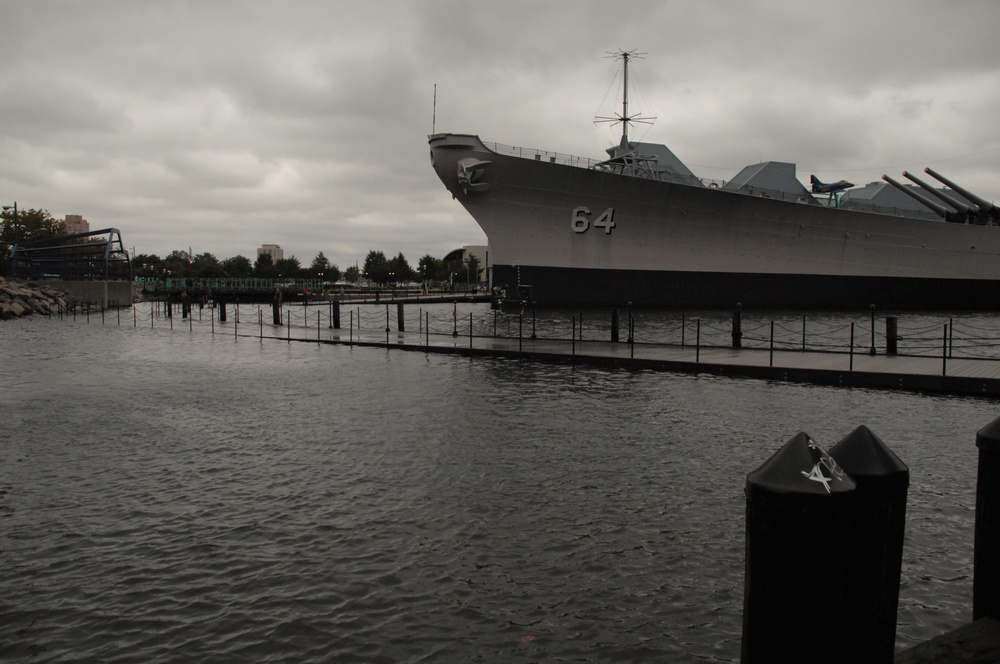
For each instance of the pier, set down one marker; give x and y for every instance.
(408, 326)
(980, 377)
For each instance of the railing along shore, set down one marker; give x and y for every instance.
(951, 337)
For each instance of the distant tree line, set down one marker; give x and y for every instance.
(377, 269)
(30, 225)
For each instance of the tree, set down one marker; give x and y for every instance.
(451, 270)
(178, 264)
(376, 267)
(352, 274)
(427, 267)
(289, 268)
(320, 266)
(238, 267)
(206, 266)
(264, 267)
(149, 266)
(30, 224)
(399, 270)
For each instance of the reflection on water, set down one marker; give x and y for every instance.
(177, 496)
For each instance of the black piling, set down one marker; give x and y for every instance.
(797, 520)
(614, 325)
(222, 309)
(875, 558)
(275, 312)
(738, 327)
(335, 306)
(986, 560)
(891, 335)
(400, 323)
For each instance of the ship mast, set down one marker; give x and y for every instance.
(625, 56)
(624, 118)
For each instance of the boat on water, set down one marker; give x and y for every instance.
(640, 228)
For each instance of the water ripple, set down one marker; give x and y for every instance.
(211, 499)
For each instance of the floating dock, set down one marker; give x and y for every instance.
(965, 376)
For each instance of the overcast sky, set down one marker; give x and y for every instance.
(223, 125)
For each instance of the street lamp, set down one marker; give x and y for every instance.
(7, 208)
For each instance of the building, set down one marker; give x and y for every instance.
(272, 250)
(75, 223)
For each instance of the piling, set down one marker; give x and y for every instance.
(400, 323)
(614, 325)
(335, 308)
(276, 312)
(797, 521)
(875, 556)
(986, 560)
(871, 351)
(891, 335)
(222, 309)
(738, 327)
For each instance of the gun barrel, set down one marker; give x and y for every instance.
(961, 207)
(937, 207)
(984, 206)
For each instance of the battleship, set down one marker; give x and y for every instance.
(640, 228)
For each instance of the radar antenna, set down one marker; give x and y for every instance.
(624, 118)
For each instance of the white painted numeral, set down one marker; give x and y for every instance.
(580, 221)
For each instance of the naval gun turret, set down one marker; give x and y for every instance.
(964, 210)
(986, 213)
(947, 213)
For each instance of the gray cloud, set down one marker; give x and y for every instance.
(223, 125)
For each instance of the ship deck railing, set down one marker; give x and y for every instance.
(543, 155)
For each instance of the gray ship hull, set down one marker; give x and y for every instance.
(586, 237)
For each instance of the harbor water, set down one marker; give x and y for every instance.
(173, 496)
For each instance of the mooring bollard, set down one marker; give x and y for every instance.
(738, 327)
(891, 335)
(797, 520)
(875, 558)
(614, 325)
(986, 559)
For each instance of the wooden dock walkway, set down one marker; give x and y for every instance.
(965, 376)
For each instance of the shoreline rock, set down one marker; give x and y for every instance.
(19, 299)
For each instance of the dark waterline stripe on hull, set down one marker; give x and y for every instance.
(579, 287)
